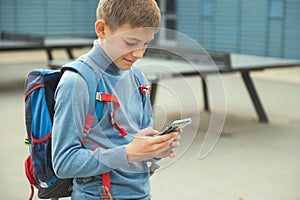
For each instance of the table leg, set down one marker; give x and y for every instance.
(205, 95)
(254, 97)
(49, 54)
(70, 54)
(153, 92)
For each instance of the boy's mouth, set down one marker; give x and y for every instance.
(128, 60)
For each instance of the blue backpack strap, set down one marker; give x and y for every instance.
(140, 80)
(99, 104)
(139, 77)
(90, 78)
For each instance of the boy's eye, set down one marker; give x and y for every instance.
(131, 43)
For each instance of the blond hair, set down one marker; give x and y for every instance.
(136, 13)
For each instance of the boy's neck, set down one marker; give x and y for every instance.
(102, 61)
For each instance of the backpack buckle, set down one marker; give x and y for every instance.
(88, 123)
(104, 193)
(145, 90)
(112, 119)
(99, 96)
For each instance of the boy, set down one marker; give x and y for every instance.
(122, 142)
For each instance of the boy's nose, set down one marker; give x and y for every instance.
(139, 53)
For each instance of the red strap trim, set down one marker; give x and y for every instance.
(109, 98)
(40, 140)
(145, 90)
(88, 123)
(106, 180)
(122, 131)
(29, 172)
(104, 196)
(114, 99)
(32, 192)
(32, 89)
(106, 176)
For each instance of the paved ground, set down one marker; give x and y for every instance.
(250, 161)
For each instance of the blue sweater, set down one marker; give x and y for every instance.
(71, 159)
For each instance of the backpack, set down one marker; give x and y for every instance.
(40, 87)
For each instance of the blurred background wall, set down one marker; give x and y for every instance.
(48, 17)
(260, 27)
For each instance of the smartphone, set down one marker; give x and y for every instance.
(177, 124)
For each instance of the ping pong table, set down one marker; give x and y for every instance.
(23, 42)
(159, 69)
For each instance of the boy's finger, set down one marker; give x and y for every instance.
(166, 137)
(175, 144)
(163, 141)
(180, 130)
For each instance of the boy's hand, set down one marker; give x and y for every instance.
(147, 145)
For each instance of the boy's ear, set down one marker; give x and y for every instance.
(99, 28)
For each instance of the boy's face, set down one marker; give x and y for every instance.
(126, 45)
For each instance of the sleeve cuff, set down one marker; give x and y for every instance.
(114, 158)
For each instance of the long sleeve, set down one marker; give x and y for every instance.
(69, 157)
